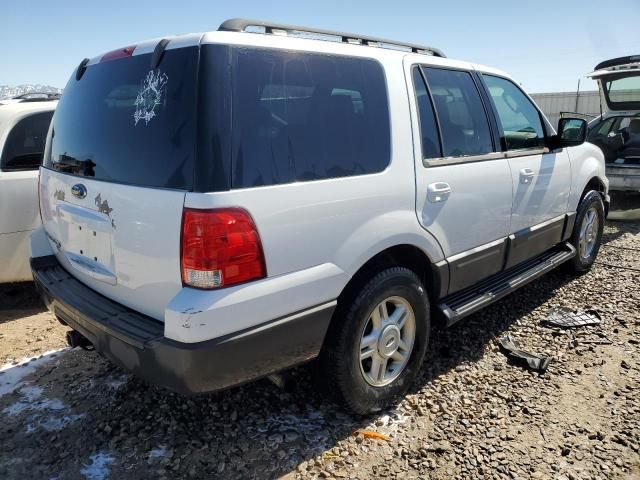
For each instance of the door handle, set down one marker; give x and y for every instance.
(526, 176)
(438, 192)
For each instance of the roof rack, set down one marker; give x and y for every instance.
(37, 97)
(614, 62)
(241, 25)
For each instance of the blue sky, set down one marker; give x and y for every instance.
(546, 45)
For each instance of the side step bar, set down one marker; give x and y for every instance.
(460, 304)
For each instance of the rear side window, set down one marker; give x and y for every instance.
(518, 116)
(463, 121)
(428, 127)
(299, 117)
(24, 147)
(127, 123)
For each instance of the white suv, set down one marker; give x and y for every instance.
(223, 206)
(24, 122)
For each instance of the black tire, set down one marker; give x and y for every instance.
(592, 201)
(340, 367)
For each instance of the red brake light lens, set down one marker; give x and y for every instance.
(119, 53)
(220, 248)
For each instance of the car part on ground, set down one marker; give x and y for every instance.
(568, 318)
(533, 361)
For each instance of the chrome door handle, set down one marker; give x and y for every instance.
(526, 176)
(438, 192)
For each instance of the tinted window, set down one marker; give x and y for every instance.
(126, 123)
(463, 121)
(24, 147)
(428, 127)
(518, 116)
(306, 117)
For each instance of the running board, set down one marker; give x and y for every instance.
(465, 302)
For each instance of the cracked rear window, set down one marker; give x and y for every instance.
(127, 123)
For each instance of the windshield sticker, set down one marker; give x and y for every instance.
(150, 96)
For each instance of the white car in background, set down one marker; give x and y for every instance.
(24, 123)
(617, 130)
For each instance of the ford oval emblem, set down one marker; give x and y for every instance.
(79, 190)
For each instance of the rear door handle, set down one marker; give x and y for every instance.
(526, 176)
(438, 192)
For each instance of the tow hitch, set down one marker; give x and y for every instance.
(75, 339)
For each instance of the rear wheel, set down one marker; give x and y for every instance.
(587, 232)
(377, 342)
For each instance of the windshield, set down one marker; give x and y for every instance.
(125, 122)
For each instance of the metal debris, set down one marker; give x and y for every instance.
(514, 352)
(567, 318)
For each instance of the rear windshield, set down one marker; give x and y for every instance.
(125, 122)
(623, 93)
(234, 118)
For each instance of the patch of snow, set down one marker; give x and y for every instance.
(52, 423)
(158, 452)
(98, 469)
(11, 375)
(49, 414)
(118, 382)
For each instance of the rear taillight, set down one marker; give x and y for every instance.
(220, 247)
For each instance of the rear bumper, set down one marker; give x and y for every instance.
(137, 342)
(623, 177)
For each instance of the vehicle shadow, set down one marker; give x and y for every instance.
(618, 228)
(18, 300)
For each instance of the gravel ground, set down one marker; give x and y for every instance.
(471, 414)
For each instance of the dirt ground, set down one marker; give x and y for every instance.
(471, 414)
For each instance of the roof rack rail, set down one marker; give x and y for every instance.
(241, 25)
(37, 97)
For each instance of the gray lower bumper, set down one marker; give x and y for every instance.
(136, 342)
(623, 177)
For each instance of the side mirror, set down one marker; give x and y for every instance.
(571, 131)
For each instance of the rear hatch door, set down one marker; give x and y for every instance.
(619, 82)
(119, 159)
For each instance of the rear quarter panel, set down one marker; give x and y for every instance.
(587, 162)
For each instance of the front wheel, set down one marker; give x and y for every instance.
(587, 232)
(377, 342)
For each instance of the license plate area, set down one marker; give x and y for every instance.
(86, 240)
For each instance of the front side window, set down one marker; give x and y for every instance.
(463, 121)
(519, 118)
(310, 116)
(24, 147)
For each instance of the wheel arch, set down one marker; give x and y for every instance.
(434, 276)
(596, 184)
